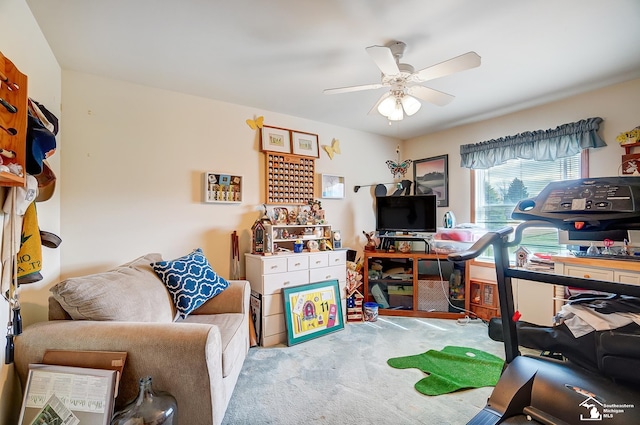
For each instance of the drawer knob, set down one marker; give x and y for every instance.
(296, 264)
(274, 267)
(587, 276)
(318, 262)
(286, 283)
(328, 276)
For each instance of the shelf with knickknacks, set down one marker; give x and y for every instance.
(630, 161)
(282, 229)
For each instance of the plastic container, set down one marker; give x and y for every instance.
(449, 246)
(297, 246)
(370, 312)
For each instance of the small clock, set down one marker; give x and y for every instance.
(312, 245)
(337, 239)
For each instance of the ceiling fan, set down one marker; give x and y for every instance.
(404, 81)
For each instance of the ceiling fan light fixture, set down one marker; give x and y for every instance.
(387, 106)
(410, 104)
(397, 114)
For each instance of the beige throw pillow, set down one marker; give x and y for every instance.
(131, 292)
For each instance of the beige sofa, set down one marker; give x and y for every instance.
(197, 359)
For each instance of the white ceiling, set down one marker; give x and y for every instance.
(280, 55)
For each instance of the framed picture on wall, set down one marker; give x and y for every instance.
(275, 139)
(332, 186)
(305, 144)
(222, 188)
(431, 176)
(312, 310)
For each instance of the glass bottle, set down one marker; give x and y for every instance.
(593, 249)
(150, 407)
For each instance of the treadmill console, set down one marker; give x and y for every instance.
(590, 204)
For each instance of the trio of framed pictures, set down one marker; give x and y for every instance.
(283, 140)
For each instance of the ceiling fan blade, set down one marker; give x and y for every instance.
(430, 95)
(353, 88)
(384, 60)
(460, 63)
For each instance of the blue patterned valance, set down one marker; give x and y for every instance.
(542, 145)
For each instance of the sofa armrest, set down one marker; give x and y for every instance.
(184, 359)
(234, 299)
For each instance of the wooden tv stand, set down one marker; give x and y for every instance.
(409, 284)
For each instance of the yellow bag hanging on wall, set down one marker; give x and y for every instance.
(30, 254)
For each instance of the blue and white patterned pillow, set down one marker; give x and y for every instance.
(190, 280)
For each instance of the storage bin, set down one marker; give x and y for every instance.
(448, 246)
(433, 295)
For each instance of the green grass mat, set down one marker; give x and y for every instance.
(452, 369)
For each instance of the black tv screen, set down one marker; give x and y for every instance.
(406, 213)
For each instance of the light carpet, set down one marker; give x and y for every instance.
(343, 378)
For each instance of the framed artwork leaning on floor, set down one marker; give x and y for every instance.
(312, 310)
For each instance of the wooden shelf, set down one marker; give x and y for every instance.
(410, 293)
(629, 146)
(17, 121)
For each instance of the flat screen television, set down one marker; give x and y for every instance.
(415, 213)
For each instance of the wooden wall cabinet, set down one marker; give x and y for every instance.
(13, 134)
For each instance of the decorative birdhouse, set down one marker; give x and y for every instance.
(522, 256)
(260, 238)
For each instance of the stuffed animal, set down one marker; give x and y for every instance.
(375, 270)
(354, 277)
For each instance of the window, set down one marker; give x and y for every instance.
(499, 188)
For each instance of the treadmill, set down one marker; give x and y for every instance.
(546, 390)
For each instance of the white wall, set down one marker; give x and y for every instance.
(22, 42)
(133, 163)
(616, 104)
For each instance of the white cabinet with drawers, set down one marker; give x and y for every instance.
(269, 274)
(619, 271)
(612, 270)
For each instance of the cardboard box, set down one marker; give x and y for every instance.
(400, 296)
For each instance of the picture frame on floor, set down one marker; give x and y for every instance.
(312, 310)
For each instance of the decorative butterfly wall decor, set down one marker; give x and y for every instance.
(255, 124)
(333, 149)
(398, 170)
